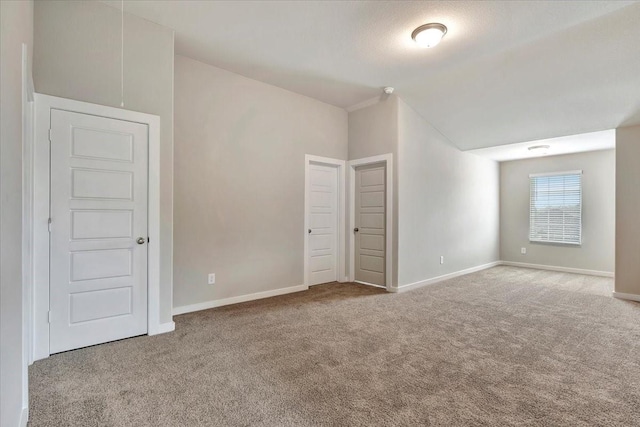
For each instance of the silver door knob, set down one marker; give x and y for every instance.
(355, 230)
(140, 240)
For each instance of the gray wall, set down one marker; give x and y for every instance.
(373, 130)
(77, 56)
(239, 181)
(448, 203)
(16, 27)
(598, 211)
(628, 210)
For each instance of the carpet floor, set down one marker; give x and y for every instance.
(502, 347)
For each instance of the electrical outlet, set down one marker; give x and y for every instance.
(441, 259)
(212, 278)
(523, 251)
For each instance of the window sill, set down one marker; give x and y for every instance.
(552, 243)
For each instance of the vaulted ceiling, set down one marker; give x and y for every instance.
(505, 72)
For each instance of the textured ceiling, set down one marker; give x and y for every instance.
(505, 72)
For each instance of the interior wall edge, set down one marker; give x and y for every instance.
(559, 269)
(237, 299)
(438, 279)
(628, 297)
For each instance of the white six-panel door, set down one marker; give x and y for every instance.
(370, 230)
(98, 240)
(323, 224)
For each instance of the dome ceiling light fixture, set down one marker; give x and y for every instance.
(540, 149)
(429, 35)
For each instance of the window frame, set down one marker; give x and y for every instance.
(532, 177)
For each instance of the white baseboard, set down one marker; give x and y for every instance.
(448, 276)
(24, 417)
(235, 300)
(560, 269)
(628, 297)
(163, 328)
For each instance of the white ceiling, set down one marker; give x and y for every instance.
(505, 72)
(593, 141)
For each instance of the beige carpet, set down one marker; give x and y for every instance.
(502, 347)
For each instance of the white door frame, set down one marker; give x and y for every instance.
(40, 173)
(341, 275)
(387, 160)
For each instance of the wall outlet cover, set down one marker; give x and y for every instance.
(212, 278)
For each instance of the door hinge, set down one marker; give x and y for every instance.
(49, 316)
(50, 132)
(49, 225)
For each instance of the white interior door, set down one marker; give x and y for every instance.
(323, 224)
(369, 231)
(98, 253)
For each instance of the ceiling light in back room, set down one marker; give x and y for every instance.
(539, 149)
(429, 35)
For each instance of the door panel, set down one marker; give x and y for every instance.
(100, 304)
(323, 223)
(373, 242)
(100, 144)
(101, 224)
(98, 273)
(101, 184)
(370, 218)
(100, 264)
(372, 263)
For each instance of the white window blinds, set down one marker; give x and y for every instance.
(555, 208)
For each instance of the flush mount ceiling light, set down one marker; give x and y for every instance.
(429, 35)
(541, 149)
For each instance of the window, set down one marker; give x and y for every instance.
(555, 209)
